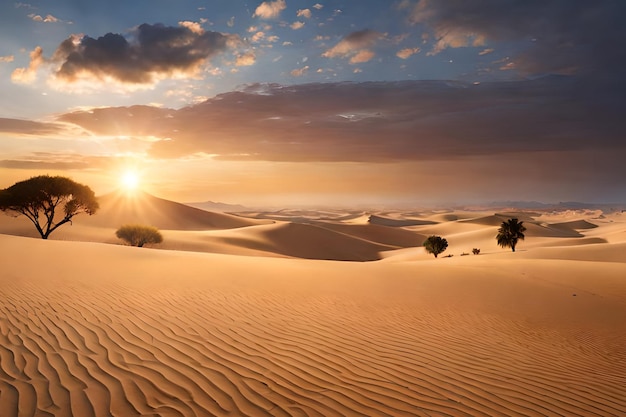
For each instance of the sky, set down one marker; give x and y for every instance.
(329, 103)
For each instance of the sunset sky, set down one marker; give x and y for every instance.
(289, 102)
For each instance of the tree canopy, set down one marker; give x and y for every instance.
(139, 235)
(435, 245)
(48, 202)
(510, 232)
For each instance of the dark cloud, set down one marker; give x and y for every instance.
(385, 121)
(28, 127)
(56, 161)
(554, 36)
(152, 51)
(554, 137)
(122, 121)
(42, 165)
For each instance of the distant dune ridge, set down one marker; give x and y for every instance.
(254, 316)
(120, 207)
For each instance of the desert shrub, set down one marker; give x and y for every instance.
(435, 245)
(139, 235)
(464, 254)
(475, 251)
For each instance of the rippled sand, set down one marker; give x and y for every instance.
(94, 329)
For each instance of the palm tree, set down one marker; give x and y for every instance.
(510, 232)
(435, 245)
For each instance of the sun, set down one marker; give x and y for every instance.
(130, 180)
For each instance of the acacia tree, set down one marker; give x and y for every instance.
(48, 202)
(510, 232)
(139, 235)
(435, 245)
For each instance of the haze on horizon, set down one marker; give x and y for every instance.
(331, 102)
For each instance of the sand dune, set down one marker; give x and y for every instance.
(307, 241)
(92, 329)
(334, 231)
(489, 220)
(589, 249)
(304, 234)
(227, 318)
(119, 208)
(303, 216)
(324, 240)
(575, 224)
(392, 236)
(386, 221)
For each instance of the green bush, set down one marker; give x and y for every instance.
(435, 245)
(139, 235)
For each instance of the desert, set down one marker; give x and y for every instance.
(304, 312)
(325, 208)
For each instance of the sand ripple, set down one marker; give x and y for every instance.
(178, 351)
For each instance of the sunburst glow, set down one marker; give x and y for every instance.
(130, 180)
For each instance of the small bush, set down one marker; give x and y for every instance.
(475, 251)
(139, 235)
(464, 254)
(435, 245)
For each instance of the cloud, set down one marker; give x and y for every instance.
(122, 121)
(246, 59)
(300, 71)
(24, 5)
(407, 52)
(306, 13)
(48, 19)
(195, 27)
(364, 55)
(552, 137)
(556, 36)
(381, 122)
(270, 9)
(45, 165)
(257, 37)
(151, 53)
(61, 161)
(318, 6)
(7, 58)
(231, 22)
(29, 75)
(354, 44)
(297, 25)
(486, 51)
(28, 127)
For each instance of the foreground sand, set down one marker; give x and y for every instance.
(255, 316)
(90, 329)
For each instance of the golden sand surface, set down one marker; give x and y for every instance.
(256, 316)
